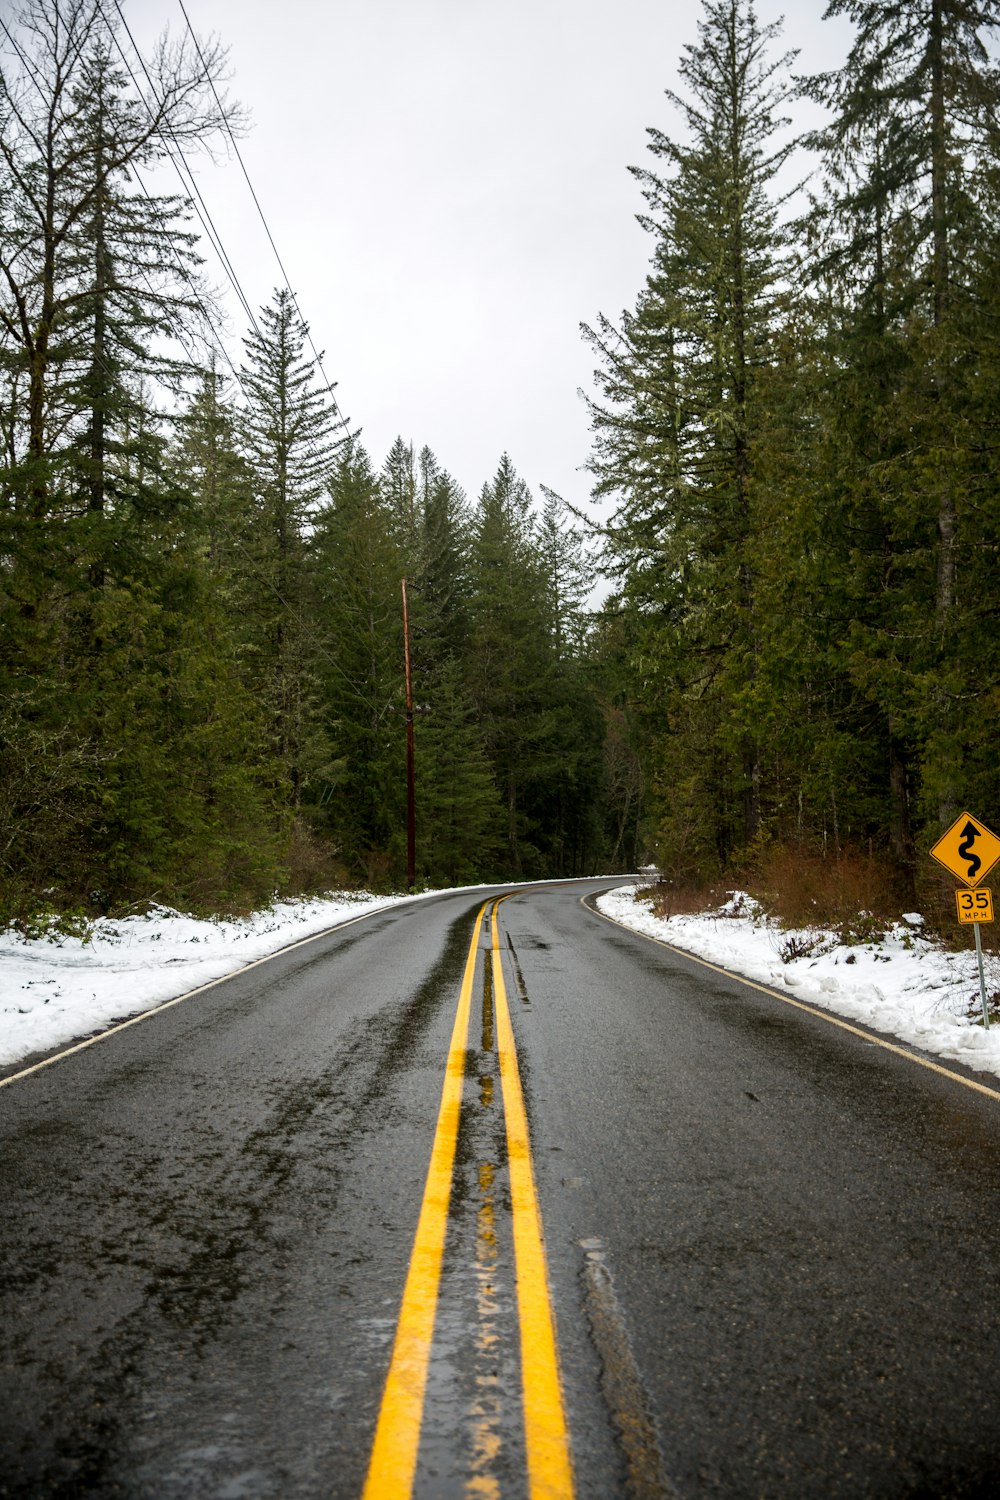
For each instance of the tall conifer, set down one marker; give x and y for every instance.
(681, 418)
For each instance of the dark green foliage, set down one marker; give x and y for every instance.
(131, 755)
(201, 642)
(458, 807)
(357, 567)
(803, 454)
(683, 423)
(287, 439)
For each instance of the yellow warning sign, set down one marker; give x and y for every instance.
(975, 906)
(969, 850)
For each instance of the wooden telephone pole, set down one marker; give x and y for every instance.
(411, 814)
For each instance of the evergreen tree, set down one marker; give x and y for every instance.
(360, 800)
(458, 812)
(906, 156)
(568, 573)
(92, 267)
(97, 605)
(682, 419)
(288, 439)
(512, 659)
(399, 487)
(443, 570)
(570, 816)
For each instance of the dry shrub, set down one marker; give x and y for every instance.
(680, 898)
(855, 893)
(379, 871)
(311, 865)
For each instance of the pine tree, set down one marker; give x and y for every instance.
(289, 443)
(443, 569)
(458, 812)
(99, 593)
(681, 419)
(906, 155)
(399, 487)
(356, 564)
(92, 267)
(512, 661)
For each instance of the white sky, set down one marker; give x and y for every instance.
(446, 182)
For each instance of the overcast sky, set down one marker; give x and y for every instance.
(447, 184)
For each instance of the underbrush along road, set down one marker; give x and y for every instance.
(485, 1197)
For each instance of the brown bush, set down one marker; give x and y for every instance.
(677, 898)
(312, 866)
(857, 894)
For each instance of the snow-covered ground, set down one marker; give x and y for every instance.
(903, 984)
(56, 990)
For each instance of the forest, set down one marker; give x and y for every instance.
(798, 420)
(202, 692)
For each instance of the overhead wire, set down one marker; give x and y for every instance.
(234, 541)
(179, 162)
(230, 537)
(330, 385)
(235, 281)
(32, 72)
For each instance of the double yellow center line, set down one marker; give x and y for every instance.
(397, 1436)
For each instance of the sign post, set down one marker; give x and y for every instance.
(969, 850)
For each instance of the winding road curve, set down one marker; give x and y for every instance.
(488, 1198)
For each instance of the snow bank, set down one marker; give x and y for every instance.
(903, 984)
(57, 990)
(53, 992)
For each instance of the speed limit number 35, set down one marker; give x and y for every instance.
(975, 906)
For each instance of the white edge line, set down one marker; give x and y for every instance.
(811, 1010)
(156, 1010)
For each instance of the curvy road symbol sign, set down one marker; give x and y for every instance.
(969, 849)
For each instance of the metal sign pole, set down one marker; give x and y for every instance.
(982, 979)
(970, 850)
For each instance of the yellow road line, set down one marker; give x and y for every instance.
(550, 1473)
(810, 1010)
(397, 1436)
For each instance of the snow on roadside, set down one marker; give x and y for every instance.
(56, 990)
(53, 992)
(902, 984)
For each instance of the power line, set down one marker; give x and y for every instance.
(213, 233)
(185, 274)
(207, 222)
(32, 72)
(329, 385)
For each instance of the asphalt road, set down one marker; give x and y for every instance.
(772, 1246)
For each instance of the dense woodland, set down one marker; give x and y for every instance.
(201, 663)
(799, 419)
(201, 638)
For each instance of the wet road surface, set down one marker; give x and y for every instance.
(772, 1247)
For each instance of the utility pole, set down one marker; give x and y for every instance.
(411, 817)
